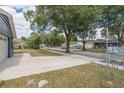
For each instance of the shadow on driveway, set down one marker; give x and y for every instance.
(10, 62)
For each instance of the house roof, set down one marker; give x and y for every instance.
(10, 21)
(104, 41)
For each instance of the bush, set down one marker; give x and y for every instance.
(34, 41)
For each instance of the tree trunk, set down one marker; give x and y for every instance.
(68, 45)
(83, 41)
(120, 42)
(120, 36)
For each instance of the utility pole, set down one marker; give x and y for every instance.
(107, 46)
(106, 23)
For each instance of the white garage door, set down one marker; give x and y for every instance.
(3, 48)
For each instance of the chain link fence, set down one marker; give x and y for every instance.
(115, 56)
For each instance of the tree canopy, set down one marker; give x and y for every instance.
(78, 21)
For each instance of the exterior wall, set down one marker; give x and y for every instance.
(89, 45)
(6, 45)
(3, 47)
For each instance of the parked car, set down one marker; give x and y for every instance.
(63, 46)
(79, 46)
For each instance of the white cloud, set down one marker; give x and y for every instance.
(9, 10)
(21, 26)
(19, 6)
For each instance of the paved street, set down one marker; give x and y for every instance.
(23, 64)
(78, 52)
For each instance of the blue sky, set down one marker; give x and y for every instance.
(18, 10)
(21, 26)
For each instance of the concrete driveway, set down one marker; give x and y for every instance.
(23, 64)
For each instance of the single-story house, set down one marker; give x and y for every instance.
(19, 43)
(7, 33)
(100, 43)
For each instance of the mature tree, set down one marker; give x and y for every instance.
(36, 18)
(38, 23)
(88, 15)
(65, 18)
(29, 15)
(69, 20)
(115, 16)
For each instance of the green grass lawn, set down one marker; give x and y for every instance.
(83, 76)
(37, 52)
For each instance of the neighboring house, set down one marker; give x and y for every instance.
(7, 33)
(19, 43)
(100, 43)
(89, 44)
